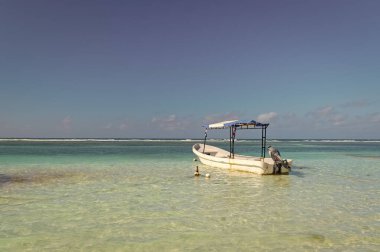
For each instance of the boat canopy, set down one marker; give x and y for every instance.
(236, 124)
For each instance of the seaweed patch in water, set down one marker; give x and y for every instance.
(33, 177)
(363, 156)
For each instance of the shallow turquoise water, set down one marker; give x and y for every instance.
(142, 196)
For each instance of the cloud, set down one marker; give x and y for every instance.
(267, 117)
(374, 117)
(127, 124)
(108, 126)
(326, 111)
(327, 116)
(171, 122)
(123, 126)
(356, 104)
(322, 122)
(66, 123)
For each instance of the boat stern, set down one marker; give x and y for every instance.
(283, 167)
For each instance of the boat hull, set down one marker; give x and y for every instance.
(216, 157)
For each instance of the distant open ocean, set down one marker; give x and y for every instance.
(141, 195)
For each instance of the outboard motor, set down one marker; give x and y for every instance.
(278, 161)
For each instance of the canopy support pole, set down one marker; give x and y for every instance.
(233, 141)
(204, 141)
(230, 142)
(263, 140)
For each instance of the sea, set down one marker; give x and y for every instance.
(142, 195)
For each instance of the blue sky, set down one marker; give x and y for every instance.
(163, 68)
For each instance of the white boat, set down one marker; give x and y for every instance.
(217, 157)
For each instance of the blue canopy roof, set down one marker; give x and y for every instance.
(236, 123)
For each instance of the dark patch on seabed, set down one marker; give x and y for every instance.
(297, 173)
(363, 156)
(32, 177)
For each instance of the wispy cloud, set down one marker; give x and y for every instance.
(171, 122)
(108, 126)
(356, 104)
(126, 125)
(374, 117)
(327, 116)
(123, 126)
(267, 117)
(323, 112)
(66, 123)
